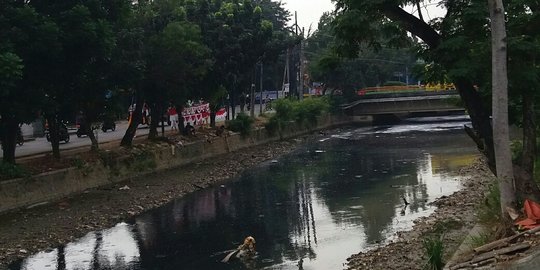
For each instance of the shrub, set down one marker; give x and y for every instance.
(433, 247)
(304, 113)
(490, 211)
(242, 124)
(10, 171)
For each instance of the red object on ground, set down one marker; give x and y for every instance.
(532, 211)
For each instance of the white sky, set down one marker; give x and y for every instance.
(309, 11)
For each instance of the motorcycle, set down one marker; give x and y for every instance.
(63, 134)
(108, 124)
(81, 132)
(20, 139)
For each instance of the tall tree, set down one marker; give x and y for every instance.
(500, 106)
(30, 45)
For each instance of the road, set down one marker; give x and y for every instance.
(41, 146)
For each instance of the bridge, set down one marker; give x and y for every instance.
(403, 100)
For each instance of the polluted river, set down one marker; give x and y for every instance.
(344, 191)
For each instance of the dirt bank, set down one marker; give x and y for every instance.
(454, 217)
(27, 231)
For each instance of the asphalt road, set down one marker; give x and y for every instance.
(41, 146)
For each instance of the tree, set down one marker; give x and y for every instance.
(10, 75)
(500, 106)
(454, 44)
(373, 67)
(29, 43)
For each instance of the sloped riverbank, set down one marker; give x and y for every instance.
(27, 231)
(454, 217)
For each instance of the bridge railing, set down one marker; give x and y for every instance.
(405, 88)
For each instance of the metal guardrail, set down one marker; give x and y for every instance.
(406, 88)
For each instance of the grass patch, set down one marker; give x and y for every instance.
(243, 124)
(481, 239)
(11, 171)
(434, 249)
(489, 212)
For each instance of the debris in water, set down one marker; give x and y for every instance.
(319, 151)
(274, 161)
(358, 176)
(124, 188)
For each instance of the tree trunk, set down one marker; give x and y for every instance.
(86, 125)
(212, 118)
(92, 137)
(53, 135)
(8, 137)
(526, 187)
(136, 116)
(154, 120)
(473, 103)
(501, 138)
(181, 124)
(480, 119)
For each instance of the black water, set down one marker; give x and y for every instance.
(335, 196)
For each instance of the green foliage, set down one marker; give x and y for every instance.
(82, 165)
(303, 112)
(10, 73)
(480, 239)
(144, 160)
(243, 123)
(489, 212)
(434, 249)
(10, 171)
(516, 146)
(307, 111)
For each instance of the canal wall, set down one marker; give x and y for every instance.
(110, 169)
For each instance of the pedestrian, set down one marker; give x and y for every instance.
(145, 114)
(173, 116)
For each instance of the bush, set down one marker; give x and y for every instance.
(490, 211)
(242, 124)
(307, 111)
(304, 112)
(434, 249)
(11, 171)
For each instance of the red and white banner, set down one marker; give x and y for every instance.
(199, 114)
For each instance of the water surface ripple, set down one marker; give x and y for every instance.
(335, 196)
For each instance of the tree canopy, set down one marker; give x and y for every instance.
(61, 57)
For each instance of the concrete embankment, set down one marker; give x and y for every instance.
(51, 186)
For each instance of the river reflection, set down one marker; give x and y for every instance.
(335, 196)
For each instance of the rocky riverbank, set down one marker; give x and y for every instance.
(454, 217)
(27, 231)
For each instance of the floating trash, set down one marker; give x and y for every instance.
(320, 151)
(358, 176)
(274, 161)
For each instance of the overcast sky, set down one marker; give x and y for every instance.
(309, 11)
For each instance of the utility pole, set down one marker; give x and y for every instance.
(261, 89)
(286, 75)
(301, 68)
